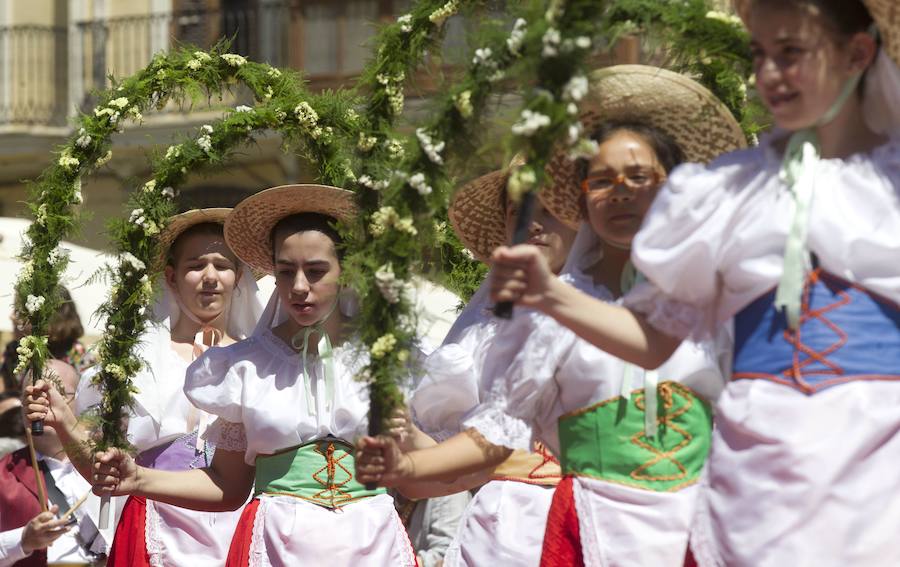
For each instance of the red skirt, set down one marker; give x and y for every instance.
(562, 538)
(239, 552)
(129, 546)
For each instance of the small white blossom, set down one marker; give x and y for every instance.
(105, 159)
(84, 140)
(574, 133)
(242, 108)
(366, 143)
(205, 143)
(583, 42)
(576, 88)
(233, 59)
(207, 128)
(352, 115)
(68, 162)
(98, 112)
(432, 150)
(417, 182)
(405, 22)
(520, 181)
(148, 187)
(119, 103)
(173, 152)
(517, 37)
(438, 16)
(584, 148)
(723, 17)
(395, 149)
(530, 123)
(194, 64)
(383, 345)
(306, 115)
(202, 56)
(168, 193)
(388, 284)
(463, 103)
(482, 56)
(572, 108)
(551, 41)
(33, 303)
(273, 73)
(127, 259)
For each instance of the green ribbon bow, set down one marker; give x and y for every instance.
(326, 355)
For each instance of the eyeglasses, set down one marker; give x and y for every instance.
(633, 180)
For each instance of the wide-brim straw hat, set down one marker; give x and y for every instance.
(183, 221)
(700, 124)
(248, 229)
(886, 14)
(478, 212)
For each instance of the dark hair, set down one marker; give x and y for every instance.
(668, 152)
(846, 17)
(303, 222)
(65, 326)
(11, 420)
(204, 228)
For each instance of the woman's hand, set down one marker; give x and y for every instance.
(520, 274)
(380, 461)
(115, 473)
(44, 402)
(43, 530)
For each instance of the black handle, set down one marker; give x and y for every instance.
(37, 427)
(375, 413)
(504, 309)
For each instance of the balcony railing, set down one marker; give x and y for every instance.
(47, 72)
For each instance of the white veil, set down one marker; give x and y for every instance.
(881, 104)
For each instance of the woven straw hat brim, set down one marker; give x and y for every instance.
(478, 216)
(886, 14)
(181, 222)
(700, 124)
(249, 227)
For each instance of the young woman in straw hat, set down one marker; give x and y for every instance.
(632, 444)
(208, 298)
(505, 521)
(287, 401)
(797, 241)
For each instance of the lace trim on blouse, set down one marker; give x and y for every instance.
(227, 436)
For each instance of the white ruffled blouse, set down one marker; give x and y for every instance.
(258, 383)
(713, 241)
(793, 479)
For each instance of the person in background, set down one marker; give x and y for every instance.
(29, 537)
(12, 432)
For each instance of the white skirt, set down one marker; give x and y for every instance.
(177, 536)
(502, 526)
(290, 532)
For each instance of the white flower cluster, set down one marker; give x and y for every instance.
(273, 73)
(168, 192)
(33, 303)
(205, 141)
(393, 88)
(40, 216)
(405, 22)
(383, 345)
(309, 118)
(463, 104)
(395, 149)
(391, 287)
(438, 16)
(366, 143)
(551, 41)
(352, 116)
(584, 148)
(367, 181)
(119, 103)
(417, 182)
(521, 180)
(576, 88)
(68, 162)
(482, 56)
(406, 322)
(173, 152)
(128, 260)
(194, 64)
(58, 255)
(105, 159)
(517, 37)
(77, 197)
(468, 253)
(387, 217)
(25, 350)
(233, 59)
(114, 370)
(730, 19)
(432, 150)
(25, 272)
(574, 133)
(84, 140)
(202, 56)
(530, 123)
(150, 228)
(242, 108)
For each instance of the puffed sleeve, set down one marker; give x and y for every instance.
(680, 245)
(522, 390)
(215, 384)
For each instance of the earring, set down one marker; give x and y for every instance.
(348, 303)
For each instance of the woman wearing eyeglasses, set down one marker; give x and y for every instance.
(631, 443)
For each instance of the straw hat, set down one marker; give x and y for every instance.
(248, 230)
(478, 212)
(702, 126)
(181, 222)
(886, 14)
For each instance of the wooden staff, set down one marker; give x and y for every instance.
(38, 477)
(504, 309)
(75, 506)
